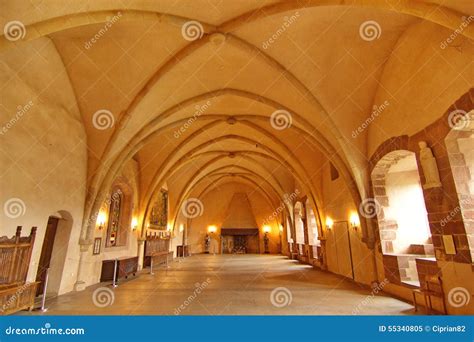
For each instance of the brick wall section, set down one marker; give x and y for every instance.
(426, 267)
(444, 202)
(391, 269)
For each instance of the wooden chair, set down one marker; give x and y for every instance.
(15, 254)
(431, 287)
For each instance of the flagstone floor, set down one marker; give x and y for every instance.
(229, 285)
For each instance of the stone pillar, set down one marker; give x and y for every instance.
(80, 284)
(141, 251)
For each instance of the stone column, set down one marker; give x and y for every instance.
(140, 251)
(80, 284)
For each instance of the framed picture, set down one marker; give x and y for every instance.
(97, 244)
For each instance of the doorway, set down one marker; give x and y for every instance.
(46, 253)
(343, 248)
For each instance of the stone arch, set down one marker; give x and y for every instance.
(392, 188)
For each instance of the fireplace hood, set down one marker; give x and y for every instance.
(239, 231)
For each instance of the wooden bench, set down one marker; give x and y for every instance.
(125, 267)
(182, 251)
(15, 254)
(157, 251)
(431, 287)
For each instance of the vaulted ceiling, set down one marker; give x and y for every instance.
(264, 94)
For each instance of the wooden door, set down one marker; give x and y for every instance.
(46, 253)
(343, 249)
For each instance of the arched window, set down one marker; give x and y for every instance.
(299, 225)
(312, 225)
(115, 214)
(401, 212)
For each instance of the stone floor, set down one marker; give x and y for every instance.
(229, 285)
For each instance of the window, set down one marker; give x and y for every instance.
(312, 225)
(299, 225)
(334, 172)
(115, 214)
(402, 217)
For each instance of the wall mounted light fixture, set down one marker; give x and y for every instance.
(134, 224)
(266, 229)
(329, 223)
(354, 220)
(211, 229)
(101, 218)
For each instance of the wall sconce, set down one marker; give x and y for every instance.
(267, 229)
(212, 229)
(101, 218)
(281, 228)
(329, 223)
(181, 228)
(354, 220)
(134, 223)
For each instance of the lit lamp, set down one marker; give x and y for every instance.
(212, 229)
(329, 223)
(134, 223)
(181, 228)
(354, 220)
(101, 218)
(267, 229)
(281, 228)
